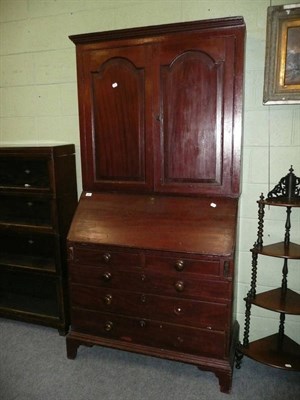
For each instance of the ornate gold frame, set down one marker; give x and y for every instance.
(282, 63)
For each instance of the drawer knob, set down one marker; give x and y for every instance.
(108, 326)
(27, 171)
(179, 286)
(179, 265)
(29, 203)
(143, 298)
(106, 257)
(106, 277)
(142, 323)
(108, 299)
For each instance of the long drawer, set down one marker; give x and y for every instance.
(101, 256)
(199, 314)
(152, 282)
(150, 333)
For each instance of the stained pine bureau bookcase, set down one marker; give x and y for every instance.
(152, 244)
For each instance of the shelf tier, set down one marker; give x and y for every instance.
(292, 251)
(282, 201)
(267, 351)
(275, 300)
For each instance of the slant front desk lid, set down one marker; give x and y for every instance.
(194, 225)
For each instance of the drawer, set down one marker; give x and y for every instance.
(184, 286)
(24, 173)
(29, 250)
(28, 210)
(150, 333)
(179, 311)
(151, 282)
(104, 257)
(184, 265)
(107, 277)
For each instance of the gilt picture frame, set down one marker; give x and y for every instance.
(282, 58)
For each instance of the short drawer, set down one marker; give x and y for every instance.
(198, 314)
(200, 342)
(206, 267)
(107, 277)
(184, 286)
(24, 173)
(104, 257)
(29, 250)
(28, 210)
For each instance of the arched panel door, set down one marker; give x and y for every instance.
(115, 143)
(195, 116)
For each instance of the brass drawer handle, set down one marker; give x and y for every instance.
(106, 277)
(108, 299)
(106, 257)
(179, 286)
(179, 265)
(108, 326)
(142, 323)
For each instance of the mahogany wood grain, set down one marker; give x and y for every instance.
(196, 225)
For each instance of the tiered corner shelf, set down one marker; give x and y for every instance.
(277, 350)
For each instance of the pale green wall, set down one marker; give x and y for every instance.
(39, 104)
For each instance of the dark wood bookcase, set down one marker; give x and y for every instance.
(152, 243)
(38, 197)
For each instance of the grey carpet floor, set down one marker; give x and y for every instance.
(34, 366)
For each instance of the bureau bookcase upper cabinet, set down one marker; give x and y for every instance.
(173, 95)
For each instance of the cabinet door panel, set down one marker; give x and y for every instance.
(114, 113)
(196, 97)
